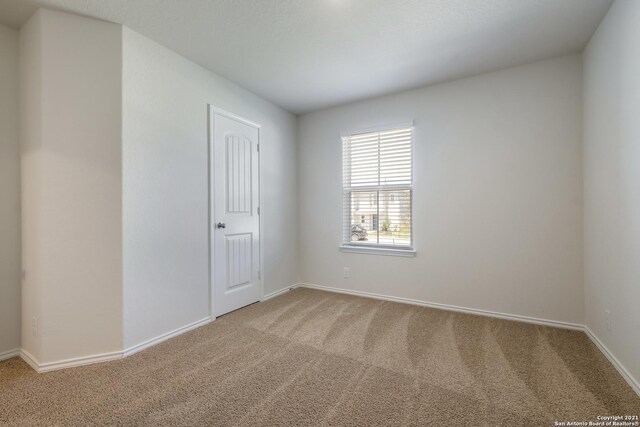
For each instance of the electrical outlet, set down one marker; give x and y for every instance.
(35, 326)
(607, 318)
(346, 272)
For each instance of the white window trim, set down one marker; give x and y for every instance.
(377, 250)
(382, 250)
(381, 128)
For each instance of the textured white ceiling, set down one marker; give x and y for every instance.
(309, 54)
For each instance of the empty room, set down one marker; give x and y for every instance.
(320, 212)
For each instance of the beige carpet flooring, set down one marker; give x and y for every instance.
(316, 358)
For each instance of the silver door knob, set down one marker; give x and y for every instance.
(221, 225)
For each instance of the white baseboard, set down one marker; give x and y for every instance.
(68, 363)
(157, 340)
(487, 313)
(104, 357)
(276, 293)
(80, 361)
(31, 361)
(634, 383)
(9, 354)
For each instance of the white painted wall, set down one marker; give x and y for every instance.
(9, 193)
(612, 182)
(115, 187)
(165, 195)
(498, 193)
(71, 185)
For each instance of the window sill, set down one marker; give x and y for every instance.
(377, 251)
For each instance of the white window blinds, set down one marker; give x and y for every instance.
(377, 188)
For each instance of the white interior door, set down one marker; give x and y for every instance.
(235, 220)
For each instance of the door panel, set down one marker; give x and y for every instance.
(239, 260)
(238, 188)
(235, 221)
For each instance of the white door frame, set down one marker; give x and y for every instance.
(212, 110)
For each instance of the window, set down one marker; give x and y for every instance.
(377, 190)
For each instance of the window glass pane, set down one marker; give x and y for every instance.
(364, 224)
(395, 218)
